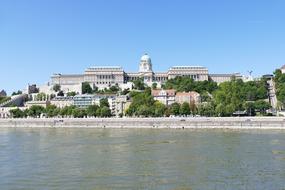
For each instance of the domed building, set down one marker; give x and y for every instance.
(106, 76)
(145, 64)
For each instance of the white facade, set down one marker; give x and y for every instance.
(106, 76)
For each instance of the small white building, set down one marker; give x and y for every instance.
(167, 97)
(62, 101)
(189, 97)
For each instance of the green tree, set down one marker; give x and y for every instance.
(36, 111)
(17, 93)
(185, 109)
(250, 108)
(139, 84)
(41, 96)
(56, 87)
(159, 109)
(175, 109)
(91, 110)
(78, 113)
(154, 85)
(114, 89)
(125, 91)
(86, 88)
(17, 113)
(52, 111)
(71, 94)
(105, 111)
(262, 106)
(104, 102)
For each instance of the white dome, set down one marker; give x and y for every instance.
(145, 64)
(146, 58)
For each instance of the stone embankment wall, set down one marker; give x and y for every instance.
(223, 123)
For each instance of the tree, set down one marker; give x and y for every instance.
(105, 112)
(185, 109)
(139, 84)
(159, 109)
(41, 96)
(71, 94)
(56, 87)
(86, 88)
(78, 113)
(104, 102)
(206, 109)
(250, 108)
(52, 111)
(125, 91)
(60, 93)
(193, 107)
(35, 111)
(175, 109)
(262, 106)
(17, 113)
(154, 85)
(144, 110)
(92, 110)
(17, 93)
(114, 88)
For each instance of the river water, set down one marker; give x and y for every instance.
(46, 158)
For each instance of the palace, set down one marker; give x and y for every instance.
(106, 76)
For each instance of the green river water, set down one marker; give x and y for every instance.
(170, 159)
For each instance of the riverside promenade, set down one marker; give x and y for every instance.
(182, 123)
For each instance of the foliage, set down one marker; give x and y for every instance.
(231, 96)
(4, 99)
(41, 96)
(280, 86)
(17, 93)
(104, 112)
(206, 109)
(91, 110)
(187, 84)
(125, 91)
(35, 111)
(79, 113)
(154, 85)
(52, 111)
(56, 87)
(17, 113)
(185, 109)
(175, 109)
(60, 93)
(262, 106)
(86, 88)
(71, 94)
(139, 84)
(142, 104)
(104, 102)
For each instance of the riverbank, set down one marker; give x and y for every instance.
(201, 122)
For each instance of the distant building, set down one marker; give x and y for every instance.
(32, 89)
(167, 97)
(106, 76)
(43, 103)
(3, 93)
(220, 78)
(62, 101)
(85, 100)
(282, 69)
(189, 97)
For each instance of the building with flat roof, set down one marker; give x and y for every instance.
(106, 76)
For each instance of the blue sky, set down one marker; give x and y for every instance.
(41, 37)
